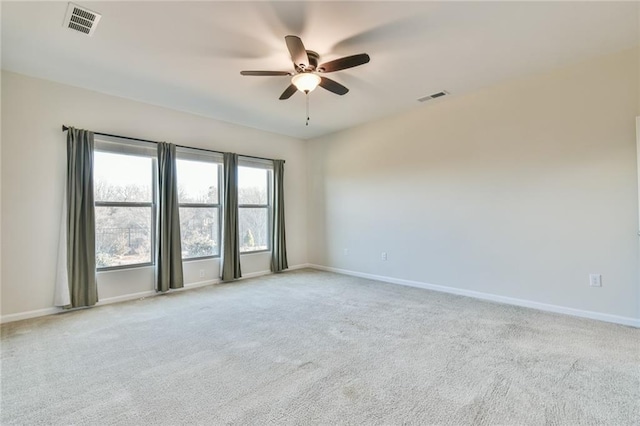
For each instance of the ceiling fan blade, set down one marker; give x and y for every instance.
(288, 92)
(265, 73)
(298, 52)
(333, 86)
(344, 63)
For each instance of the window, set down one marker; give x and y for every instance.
(199, 198)
(254, 202)
(125, 186)
(124, 194)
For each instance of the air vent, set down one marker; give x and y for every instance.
(433, 96)
(81, 19)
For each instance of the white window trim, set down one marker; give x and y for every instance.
(114, 145)
(208, 157)
(264, 165)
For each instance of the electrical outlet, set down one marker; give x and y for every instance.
(201, 273)
(383, 256)
(595, 280)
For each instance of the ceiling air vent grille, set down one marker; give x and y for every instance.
(81, 19)
(433, 96)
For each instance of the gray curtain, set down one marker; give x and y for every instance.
(230, 256)
(169, 254)
(81, 220)
(279, 244)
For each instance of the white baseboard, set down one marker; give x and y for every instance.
(300, 266)
(253, 275)
(200, 284)
(126, 297)
(30, 314)
(634, 322)
(261, 273)
(132, 296)
(151, 293)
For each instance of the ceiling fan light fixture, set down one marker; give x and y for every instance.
(306, 82)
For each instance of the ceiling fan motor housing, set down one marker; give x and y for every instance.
(313, 61)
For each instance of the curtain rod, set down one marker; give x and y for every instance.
(65, 128)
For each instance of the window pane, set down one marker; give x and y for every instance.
(252, 185)
(253, 228)
(123, 236)
(199, 232)
(197, 182)
(121, 177)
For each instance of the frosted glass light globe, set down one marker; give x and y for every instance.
(306, 82)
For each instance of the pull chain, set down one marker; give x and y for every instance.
(307, 101)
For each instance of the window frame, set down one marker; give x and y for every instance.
(217, 206)
(153, 204)
(268, 207)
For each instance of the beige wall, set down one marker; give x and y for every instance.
(520, 190)
(33, 172)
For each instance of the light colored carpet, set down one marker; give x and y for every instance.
(310, 347)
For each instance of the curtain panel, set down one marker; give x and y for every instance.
(169, 274)
(279, 245)
(230, 254)
(77, 255)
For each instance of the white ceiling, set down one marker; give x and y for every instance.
(188, 55)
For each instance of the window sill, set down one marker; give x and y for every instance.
(249, 253)
(195, 259)
(125, 268)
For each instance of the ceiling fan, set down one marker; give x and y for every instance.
(306, 76)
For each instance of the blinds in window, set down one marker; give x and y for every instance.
(257, 163)
(199, 155)
(125, 146)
